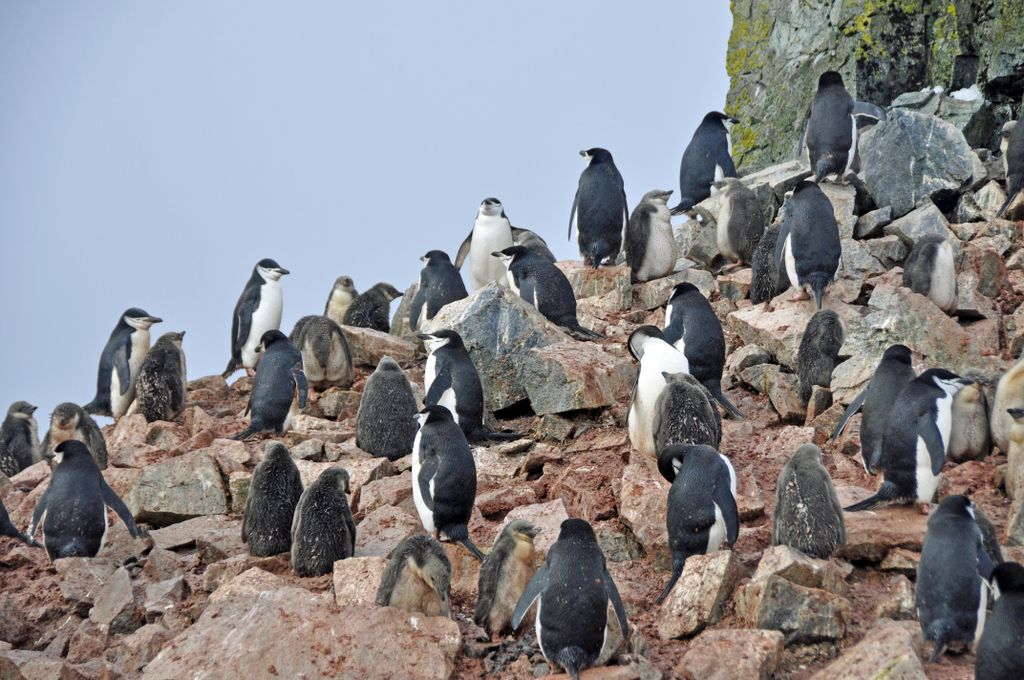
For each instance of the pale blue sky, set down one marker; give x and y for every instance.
(154, 151)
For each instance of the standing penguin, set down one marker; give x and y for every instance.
(1009, 395)
(160, 390)
(323, 531)
(808, 515)
(1013, 158)
(443, 477)
(257, 311)
(808, 245)
(684, 413)
(656, 357)
(1000, 651)
(915, 439)
(19, 439)
(73, 509)
(372, 309)
(702, 511)
(892, 374)
(544, 286)
(418, 578)
(492, 231)
(740, 222)
(952, 577)
(326, 357)
(342, 294)
(931, 271)
(8, 529)
(504, 574)
(120, 363)
(385, 425)
(969, 438)
(274, 493)
(279, 388)
(440, 284)
(451, 380)
(708, 158)
(831, 133)
(692, 327)
(572, 590)
(766, 279)
(651, 249)
(819, 351)
(1015, 452)
(70, 421)
(599, 210)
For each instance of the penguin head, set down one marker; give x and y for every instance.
(276, 452)
(829, 79)
(270, 270)
(174, 338)
(640, 337)
(65, 416)
(436, 257)
(717, 118)
(491, 207)
(576, 530)
(1007, 577)
(336, 476)
(683, 290)
(389, 291)
(947, 381)
(670, 461)
(657, 196)
(510, 254)
(72, 449)
(271, 338)
(345, 284)
(597, 155)
(433, 414)
(522, 530)
(386, 363)
(900, 353)
(960, 506)
(138, 318)
(808, 453)
(21, 410)
(438, 339)
(804, 186)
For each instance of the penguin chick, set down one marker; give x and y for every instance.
(969, 437)
(385, 425)
(372, 309)
(279, 388)
(766, 280)
(8, 529)
(504, 574)
(808, 246)
(323, 531)
(599, 209)
(740, 222)
(417, 578)
(340, 298)
(440, 284)
(1013, 158)
(819, 351)
(808, 515)
(1000, 652)
(274, 493)
(19, 439)
(651, 249)
(707, 159)
(952, 588)
(831, 132)
(326, 357)
(160, 390)
(930, 270)
(1009, 395)
(684, 414)
(70, 421)
(657, 357)
(257, 311)
(120, 362)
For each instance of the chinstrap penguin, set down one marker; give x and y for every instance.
(1013, 158)
(372, 309)
(440, 284)
(257, 311)
(340, 298)
(684, 413)
(326, 357)
(323, 530)
(417, 578)
(385, 422)
(808, 515)
(70, 421)
(1000, 651)
(274, 494)
(279, 389)
(504, 574)
(19, 439)
(930, 270)
(599, 210)
(819, 351)
(160, 390)
(831, 133)
(651, 249)
(656, 357)
(120, 362)
(808, 246)
(740, 221)
(767, 280)
(707, 159)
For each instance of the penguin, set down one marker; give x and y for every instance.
(440, 284)
(451, 380)
(808, 515)
(930, 270)
(73, 509)
(766, 279)
(599, 210)
(915, 439)
(893, 373)
(385, 422)
(740, 222)
(1009, 395)
(493, 231)
(989, 536)
(831, 132)
(1013, 158)
(702, 511)
(657, 357)
(70, 421)
(572, 590)
(8, 529)
(819, 351)
(1015, 452)
(443, 477)
(19, 439)
(952, 577)
(808, 245)
(342, 294)
(707, 158)
(692, 327)
(279, 388)
(257, 311)
(417, 578)
(504, 574)
(544, 286)
(372, 309)
(274, 494)
(684, 414)
(323, 530)
(120, 362)
(1000, 651)
(969, 439)
(651, 249)
(326, 356)
(160, 390)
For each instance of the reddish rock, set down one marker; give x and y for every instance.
(139, 648)
(732, 654)
(698, 597)
(803, 615)
(393, 491)
(503, 499)
(185, 534)
(82, 578)
(368, 346)
(569, 376)
(889, 650)
(798, 568)
(382, 530)
(356, 580)
(547, 517)
(116, 606)
(219, 573)
(643, 499)
(871, 534)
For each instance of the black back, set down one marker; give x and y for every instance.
(275, 385)
(1000, 652)
(385, 424)
(708, 147)
(892, 375)
(813, 233)
(274, 493)
(767, 280)
(600, 208)
(115, 354)
(455, 370)
(917, 270)
(899, 439)
(162, 373)
(693, 320)
(323, 530)
(371, 309)
(543, 285)
(440, 284)
(830, 127)
(819, 351)
(455, 477)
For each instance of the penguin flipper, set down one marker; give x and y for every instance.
(442, 382)
(38, 513)
(724, 401)
(572, 215)
(581, 333)
(868, 110)
(114, 502)
(533, 590)
(463, 253)
(985, 565)
(726, 502)
(418, 301)
(429, 463)
(852, 409)
(527, 287)
(780, 250)
(1014, 184)
(242, 323)
(928, 430)
(124, 374)
(301, 386)
(726, 163)
(613, 595)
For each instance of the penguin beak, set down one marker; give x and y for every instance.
(424, 337)
(532, 531)
(154, 319)
(734, 120)
(282, 271)
(496, 253)
(583, 153)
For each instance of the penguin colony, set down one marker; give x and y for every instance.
(910, 423)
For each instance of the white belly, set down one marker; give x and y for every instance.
(119, 403)
(426, 515)
(266, 317)
(717, 534)
(536, 628)
(982, 606)
(338, 305)
(490, 234)
(448, 401)
(724, 247)
(660, 255)
(658, 357)
(790, 262)
(429, 372)
(853, 146)
(942, 290)
(927, 482)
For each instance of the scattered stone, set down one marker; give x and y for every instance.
(178, 489)
(889, 650)
(843, 199)
(800, 569)
(163, 596)
(547, 517)
(870, 535)
(654, 294)
(116, 605)
(139, 648)
(727, 654)
(356, 580)
(382, 530)
(82, 578)
(186, 534)
(821, 400)
(803, 615)
(901, 561)
(569, 376)
(783, 390)
(700, 594)
(643, 497)
(588, 282)
(735, 285)
(900, 604)
(223, 571)
(392, 491)
(369, 346)
(780, 330)
(889, 250)
(870, 224)
(697, 240)
(926, 220)
(335, 403)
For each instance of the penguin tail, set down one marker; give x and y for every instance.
(255, 427)
(719, 395)
(819, 282)
(677, 571)
(1013, 187)
(233, 365)
(886, 495)
(72, 548)
(822, 168)
(95, 408)
(685, 203)
(573, 659)
(580, 333)
(940, 632)
(460, 534)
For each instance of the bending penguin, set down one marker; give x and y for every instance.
(808, 245)
(257, 311)
(684, 413)
(651, 249)
(418, 578)
(504, 574)
(572, 590)
(657, 358)
(493, 231)
(1000, 651)
(707, 159)
(279, 388)
(73, 509)
(440, 284)
(599, 210)
(70, 421)
(931, 271)
(120, 362)
(326, 357)
(831, 133)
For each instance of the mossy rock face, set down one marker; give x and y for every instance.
(883, 48)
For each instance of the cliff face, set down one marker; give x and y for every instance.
(883, 48)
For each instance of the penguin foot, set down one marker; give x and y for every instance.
(250, 372)
(800, 297)
(925, 508)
